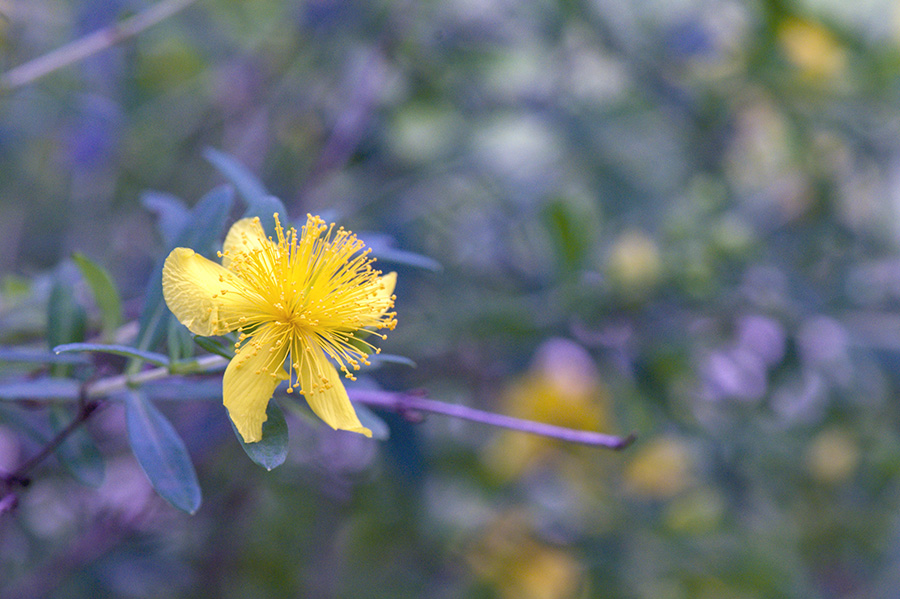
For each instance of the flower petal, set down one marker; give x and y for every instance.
(248, 385)
(326, 395)
(203, 296)
(389, 281)
(244, 235)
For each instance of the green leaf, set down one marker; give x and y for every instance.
(382, 247)
(40, 389)
(38, 356)
(180, 341)
(65, 318)
(248, 185)
(118, 350)
(200, 232)
(259, 202)
(161, 453)
(214, 346)
(265, 208)
(377, 360)
(272, 450)
(77, 453)
(570, 232)
(105, 294)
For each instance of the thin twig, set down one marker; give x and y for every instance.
(396, 402)
(90, 44)
(19, 477)
(404, 402)
(21, 473)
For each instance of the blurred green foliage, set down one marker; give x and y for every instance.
(678, 218)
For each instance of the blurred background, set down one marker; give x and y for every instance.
(679, 218)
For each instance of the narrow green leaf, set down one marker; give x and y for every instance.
(201, 232)
(65, 318)
(118, 350)
(378, 360)
(179, 340)
(78, 453)
(272, 450)
(259, 202)
(213, 346)
(570, 232)
(161, 453)
(248, 184)
(42, 389)
(204, 229)
(38, 356)
(382, 247)
(105, 294)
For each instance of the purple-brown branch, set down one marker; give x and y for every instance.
(405, 403)
(19, 477)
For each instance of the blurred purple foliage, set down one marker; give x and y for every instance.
(678, 219)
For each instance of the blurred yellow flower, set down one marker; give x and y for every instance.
(634, 264)
(561, 387)
(811, 48)
(300, 298)
(833, 456)
(520, 566)
(697, 511)
(662, 468)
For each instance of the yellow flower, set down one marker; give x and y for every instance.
(297, 300)
(813, 49)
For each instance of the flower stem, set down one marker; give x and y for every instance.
(407, 403)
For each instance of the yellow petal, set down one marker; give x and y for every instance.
(326, 395)
(248, 384)
(203, 296)
(245, 235)
(389, 281)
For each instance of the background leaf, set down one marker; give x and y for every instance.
(161, 453)
(265, 208)
(372, 421)
(201, 232)
(179, 341)
(172, 214)
(247, 184)
(384, 248)
(259, 202)
(105, 294)
(77, 453)
(271, 451)
(38, 356)
(65, 317)
(118, 350)
(214, 346)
